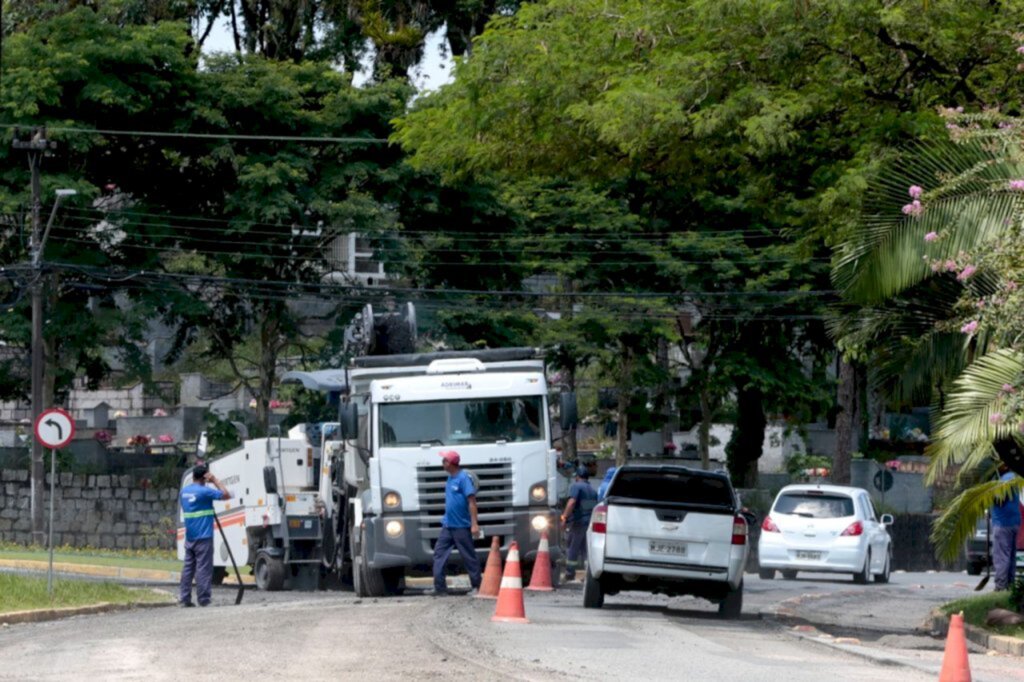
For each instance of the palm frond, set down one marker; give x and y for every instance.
(967, 200)
(968, 422)
(958, 520)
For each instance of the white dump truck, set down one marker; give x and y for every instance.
(381, 483)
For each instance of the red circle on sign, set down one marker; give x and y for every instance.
(64, 438)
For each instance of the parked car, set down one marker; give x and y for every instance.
(825, 528)
(668, 530)
(978, 548)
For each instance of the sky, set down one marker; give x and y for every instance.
(434, 71)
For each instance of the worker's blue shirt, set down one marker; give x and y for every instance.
(457, 492)
(1007, 513)
(586, 500)
(197, 504)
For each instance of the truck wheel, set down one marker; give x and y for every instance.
(366, 581)
(732, 605)
(593, 592)
(219, 573)
(269, 572)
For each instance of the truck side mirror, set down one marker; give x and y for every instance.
(348, 418)
(568, 412)
(270, 479)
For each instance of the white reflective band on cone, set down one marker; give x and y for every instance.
(512, 583)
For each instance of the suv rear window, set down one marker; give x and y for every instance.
(672, 487)
(814, 506)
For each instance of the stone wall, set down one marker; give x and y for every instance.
(91, 511)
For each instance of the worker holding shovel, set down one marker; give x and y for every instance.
(197, 505)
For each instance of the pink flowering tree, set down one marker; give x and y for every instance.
(933, 275)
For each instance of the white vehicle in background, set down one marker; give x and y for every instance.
(825, 528)
(668, 530)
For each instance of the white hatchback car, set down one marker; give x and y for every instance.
(825, 528)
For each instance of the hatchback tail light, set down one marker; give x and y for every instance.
(599, 519)
(855, 528)
(739, 530)
(769, 526)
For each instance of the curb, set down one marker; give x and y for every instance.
(117, 572)
(938, 622)
(41, 615)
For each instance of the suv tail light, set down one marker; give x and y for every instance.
(768, 526)
(855, 528)
(599, 519)
(739, 530)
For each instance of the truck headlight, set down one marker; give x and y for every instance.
(539, 523)
(538, 493)
(392, 500)
(393, 529)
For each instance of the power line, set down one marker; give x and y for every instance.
(203, 136)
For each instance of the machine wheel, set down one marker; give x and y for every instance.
(766, 573)
(269, 571)
(864, 576)
(883, 577)
(219, 573)
(789, 575)
(593, 592)
(732, 605)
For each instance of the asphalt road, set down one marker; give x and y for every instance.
(863, 632)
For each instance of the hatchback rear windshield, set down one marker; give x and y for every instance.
(672, 487)
(815, 506)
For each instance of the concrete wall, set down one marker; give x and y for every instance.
(94, 511)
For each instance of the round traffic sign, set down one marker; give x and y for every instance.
(54, 428)
(883, 480)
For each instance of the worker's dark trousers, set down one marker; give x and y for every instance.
(1004, 550)
(198, 564)
(449, 539)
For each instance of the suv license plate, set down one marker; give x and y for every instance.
(673, 548)
(813, 556)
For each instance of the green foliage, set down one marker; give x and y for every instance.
(796, 464)
(21, 593)
(221, 434)
(976, 608)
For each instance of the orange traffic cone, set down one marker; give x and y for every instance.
(510, 599)
(490, 585)
(541, 578)
(955, 665)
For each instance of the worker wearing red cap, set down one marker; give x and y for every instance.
(458, 525)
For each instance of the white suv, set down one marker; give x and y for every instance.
(826, 528)
(670, 530)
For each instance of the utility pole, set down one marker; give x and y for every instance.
(36, 147)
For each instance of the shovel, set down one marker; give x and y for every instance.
(238, 576)
(988, 556)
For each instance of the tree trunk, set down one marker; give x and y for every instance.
(269, 345)
(747, 440)
(704, 432)
(844, 423)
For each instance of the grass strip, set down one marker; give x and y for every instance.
(976, 609)
(23, 593)
(97, 559)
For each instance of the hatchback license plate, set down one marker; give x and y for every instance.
(813, 556)
(673, 548)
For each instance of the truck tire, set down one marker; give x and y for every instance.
(732, 605)
(269, 572)
(593, 592)
(219, 573)
(366, 581)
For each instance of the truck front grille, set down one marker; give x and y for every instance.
(493, 498)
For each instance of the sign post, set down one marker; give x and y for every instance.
(54, 428)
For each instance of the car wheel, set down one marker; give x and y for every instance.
(732, 605)
(883, 577)
(864, 575)
(766, 573)
(593, 592)
(789, 575)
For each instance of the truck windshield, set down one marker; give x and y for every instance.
(454, 422)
